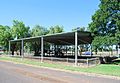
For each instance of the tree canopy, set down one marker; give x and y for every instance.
(5, 36)
(106, 20)
(19, 30)
(105, 25)
(38, 31)
(56, 29)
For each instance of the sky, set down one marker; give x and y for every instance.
(67, 13)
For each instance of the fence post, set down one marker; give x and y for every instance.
(51, 58)
(87, 62)
(67, 60)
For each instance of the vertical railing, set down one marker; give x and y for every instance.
(42, 49)
(76, 48)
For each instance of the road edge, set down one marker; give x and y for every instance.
(68, 71)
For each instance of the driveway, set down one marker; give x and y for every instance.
(18, 73)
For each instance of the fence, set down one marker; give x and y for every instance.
(81, 62)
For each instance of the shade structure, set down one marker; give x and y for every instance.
(70, 38)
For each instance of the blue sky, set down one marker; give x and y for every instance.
(68, 13)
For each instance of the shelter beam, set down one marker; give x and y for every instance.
(9, 48)
(42, 49)
(76, 48)
(22, 49)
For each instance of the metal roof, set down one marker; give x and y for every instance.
(61, 38)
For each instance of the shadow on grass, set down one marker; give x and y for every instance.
(116, 62)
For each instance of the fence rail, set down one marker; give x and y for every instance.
(88, 61)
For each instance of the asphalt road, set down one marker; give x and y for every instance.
(18, 73)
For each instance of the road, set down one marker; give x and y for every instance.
(18, 73)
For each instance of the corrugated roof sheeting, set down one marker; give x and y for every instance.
(61, 38)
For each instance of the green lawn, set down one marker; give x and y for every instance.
(106, 69)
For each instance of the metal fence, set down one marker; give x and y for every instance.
(81, 62)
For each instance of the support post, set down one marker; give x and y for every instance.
(9, 49)
(66, 51)
(22, 50)
(90, 50)
(41, 49)
(76, 47)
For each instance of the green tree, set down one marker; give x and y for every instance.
(117, 35)
(5, 36)
(19, 30)
(106, 19)
(56, 29)
(105, 25)
(38, 31)
(101, 42)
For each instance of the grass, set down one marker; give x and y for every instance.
(105, 69)
(117, 61)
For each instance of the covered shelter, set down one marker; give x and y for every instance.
(66, 38)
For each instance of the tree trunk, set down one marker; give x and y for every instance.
(36, 49)
(12, 52)
(20, 52)
(96, 50)
(13, 48)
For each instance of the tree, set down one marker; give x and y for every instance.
(106, 20)
(19, 30)
(101, 42)
(117, 35)
(105, 25)
(5, 36)
(38, 31)
(56, 29)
